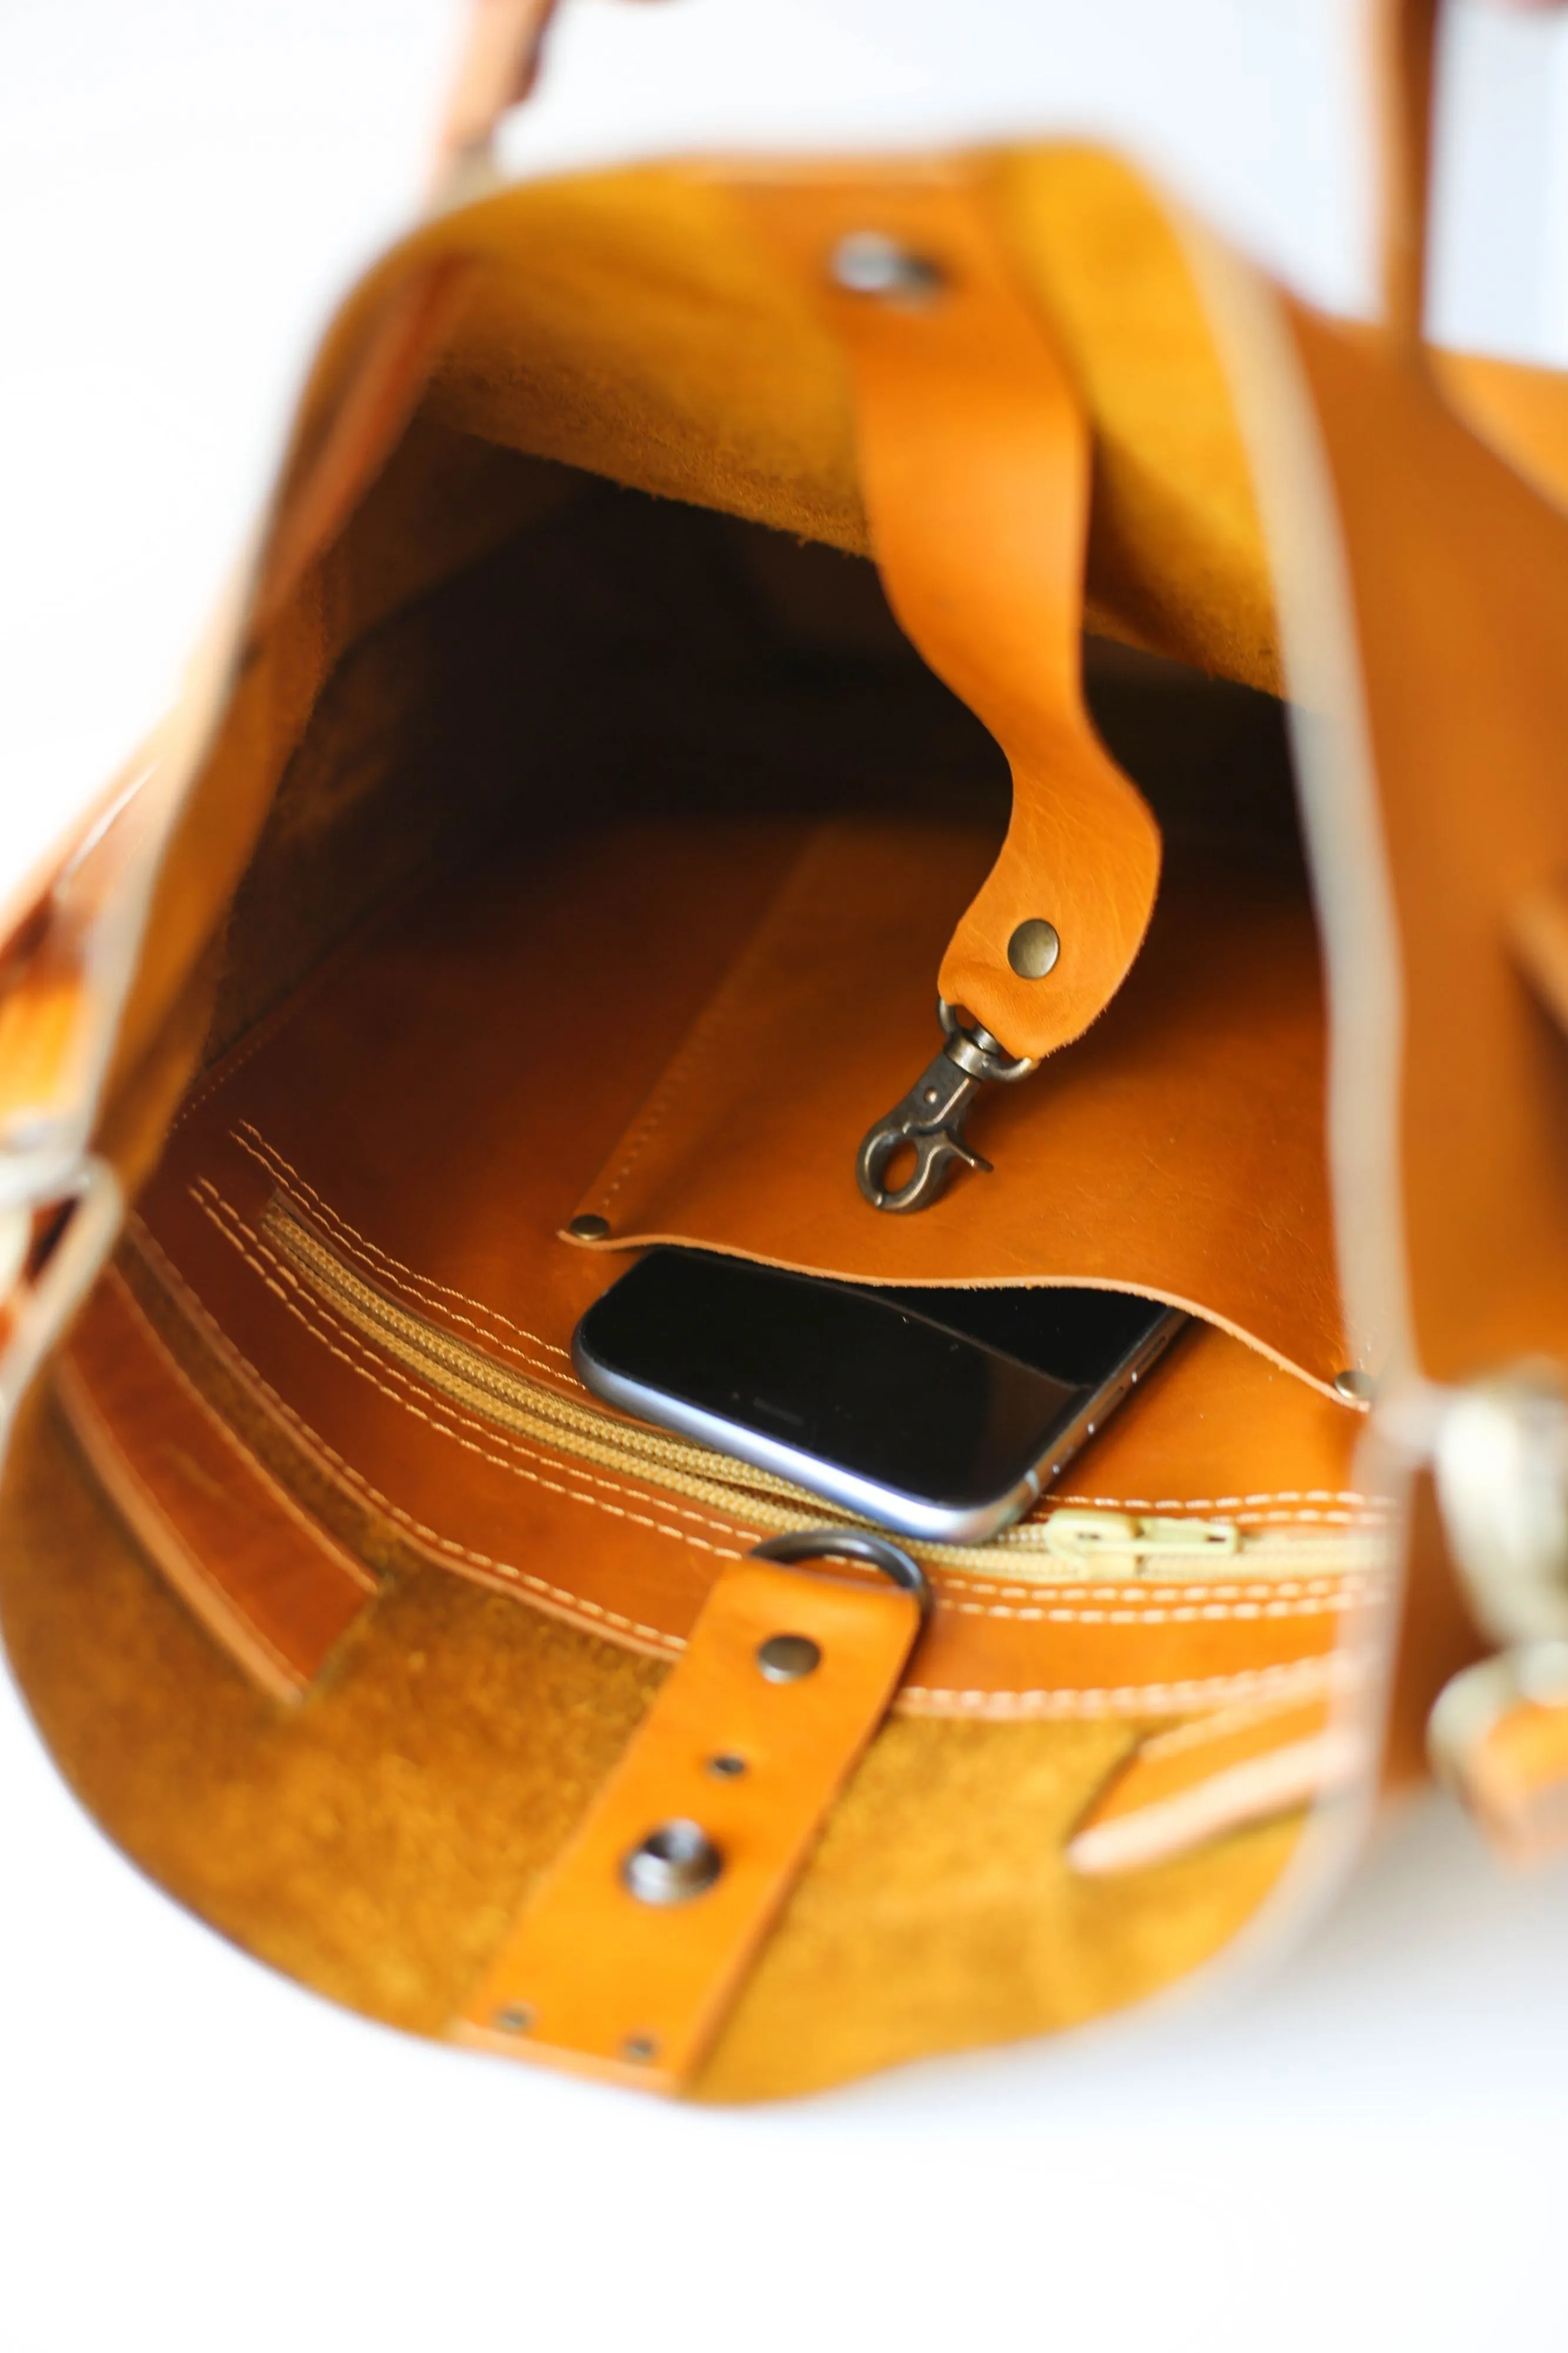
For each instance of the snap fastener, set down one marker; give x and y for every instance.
(786, 1657)
(866, 262)
(1034, 948)
(640, 2048)
(1355, 1387)
(726, 1767)
(590, 1228)
(517, 2018)
(672, 1865)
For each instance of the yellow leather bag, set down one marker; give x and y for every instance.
(664, 672)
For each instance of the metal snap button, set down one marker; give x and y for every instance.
(672, 1865)
(786, 1658)
(1034, 948)
(1355, 1387)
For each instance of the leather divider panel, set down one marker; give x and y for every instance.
(427, 1110)
(974, 458)
(264, 1578)
(1177, 1150)
(635, 1991)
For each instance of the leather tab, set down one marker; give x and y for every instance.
(593, 1978)
(1215, 1775)
(974, 462)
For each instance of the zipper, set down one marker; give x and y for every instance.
(1055, 1546)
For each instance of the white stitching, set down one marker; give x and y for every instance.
(371, 1253)
(1207, 1603)
(374, 1258)
(446, 1543)
(1303, 1677)
(312, 1305)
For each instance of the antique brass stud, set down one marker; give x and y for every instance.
(1355, 1387)
(1034, 948)
(589, 1228)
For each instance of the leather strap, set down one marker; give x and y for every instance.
(498, 65)
(1407, 37)
(595, 1977)
(975, 463)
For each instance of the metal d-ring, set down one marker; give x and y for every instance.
(930, 1119)
(850, 1544)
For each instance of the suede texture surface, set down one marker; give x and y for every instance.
(376, 1839)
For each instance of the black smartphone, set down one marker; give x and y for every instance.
(939, 1412)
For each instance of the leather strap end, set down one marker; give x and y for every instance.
(627, 1959)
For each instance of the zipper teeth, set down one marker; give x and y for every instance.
(509, 1399)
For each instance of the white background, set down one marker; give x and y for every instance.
(1364, 2151)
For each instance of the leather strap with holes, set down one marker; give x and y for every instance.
(628, 1958)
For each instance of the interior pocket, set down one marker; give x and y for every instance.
(1175, 1150)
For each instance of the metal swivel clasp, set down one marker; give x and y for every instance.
(930, 1117)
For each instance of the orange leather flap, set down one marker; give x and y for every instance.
(740, 1759)
(1176, 1150)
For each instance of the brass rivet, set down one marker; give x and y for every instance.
(1355, 1387)
(726, 1767)
(640, 2047)
(786, 1658)
(672, 1865)
(1034, 948)
(590, 1228)
(866, 262)
(517, 2018)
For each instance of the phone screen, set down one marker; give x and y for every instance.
(939, 1411)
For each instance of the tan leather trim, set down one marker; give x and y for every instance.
(973, 461)
(266, 1581)
(1245, 1764)
(591, 1978)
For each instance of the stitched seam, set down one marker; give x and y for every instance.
(364, 1486)
(375, 1259)
(446, 1543)
(305, 1307)
(309, 1304)
(372, 1256)
(1307, 1674)
(1300, 1677)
